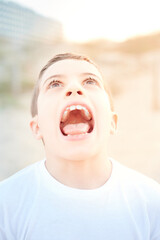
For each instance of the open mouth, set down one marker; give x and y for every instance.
(76, 120)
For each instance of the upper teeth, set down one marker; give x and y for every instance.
(85, 112)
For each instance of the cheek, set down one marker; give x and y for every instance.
(103, 111)
(46, 105)
(46, 114)
(103, 104)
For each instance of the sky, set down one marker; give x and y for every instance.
(115, 20)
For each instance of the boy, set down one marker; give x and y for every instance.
(77, 192)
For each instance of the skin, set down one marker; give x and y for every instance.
(80, 163)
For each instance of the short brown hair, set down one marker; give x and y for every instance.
(56, 58)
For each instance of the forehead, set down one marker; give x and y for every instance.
(71, 67)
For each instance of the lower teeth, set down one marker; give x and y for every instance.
(78, 134)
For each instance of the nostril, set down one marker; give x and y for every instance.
(71, 92)
(68, 94)
(79, 92)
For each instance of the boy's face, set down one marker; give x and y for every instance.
(74, 117)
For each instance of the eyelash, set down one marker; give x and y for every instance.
(90, 79)
(54, 82)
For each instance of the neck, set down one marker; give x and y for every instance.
(82, 174)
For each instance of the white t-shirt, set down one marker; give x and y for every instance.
(35, 206)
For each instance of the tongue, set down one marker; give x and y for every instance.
(75, 129)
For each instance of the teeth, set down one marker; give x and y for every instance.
(85, 112)
(65, 115)
(81, 134)
(72, 108)
(79, 107)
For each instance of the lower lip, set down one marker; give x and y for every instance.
(78, 137)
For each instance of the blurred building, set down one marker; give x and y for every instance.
(21, 24)
(25, 38)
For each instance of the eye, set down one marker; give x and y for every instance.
(55, 84)
(90, 81)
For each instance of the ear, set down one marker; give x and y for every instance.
(114, 119)
(35, 128)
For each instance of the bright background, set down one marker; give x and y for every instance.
(123, 38)
(116, 20)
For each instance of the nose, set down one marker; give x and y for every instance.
(73, 92)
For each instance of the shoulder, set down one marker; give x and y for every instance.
(139, 190)
(136, 182)
(141, 194)
(19, 183)
(133, 176)
(18, 195)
